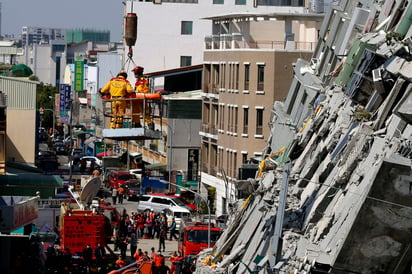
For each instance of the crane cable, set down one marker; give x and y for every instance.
(130, 34)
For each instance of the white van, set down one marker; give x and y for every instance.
(159, 202)
(178, 213)
(137, 172)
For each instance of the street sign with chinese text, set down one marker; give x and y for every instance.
(78, 75)
(64, 103)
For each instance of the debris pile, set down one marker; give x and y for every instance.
(336, 194)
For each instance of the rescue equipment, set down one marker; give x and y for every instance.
(141, 95)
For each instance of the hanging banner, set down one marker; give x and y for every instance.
(193, 165)
(64, 102)
(78, 75)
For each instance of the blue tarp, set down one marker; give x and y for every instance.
(154, 184)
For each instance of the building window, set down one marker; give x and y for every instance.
(234, 165)
(228, 161)
(240, 2)
(230, 76)
(261, 77)
(222, 83)
(213, 159)
(222, 118)
(185, 61)
(244, 158)
(187, 27)
(259, 121)
(247, 76)
(229, 120)
(216, 76)
(206, 114)
(235, 119)
(298, 3)
(237, 76)
(220, 157)
(245, 120)
(215, 119)
(218, 1)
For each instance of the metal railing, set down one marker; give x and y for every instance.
(218, 44)
(154, 105)
(207, 128)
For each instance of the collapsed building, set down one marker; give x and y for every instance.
(334, 192)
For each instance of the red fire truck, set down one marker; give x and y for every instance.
(81, 225)
(194, 237)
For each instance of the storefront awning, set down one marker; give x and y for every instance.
(27, 184)
(135, 154)
(157, 166)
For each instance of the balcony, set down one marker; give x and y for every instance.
(212, 88)
(235, 41)
(211, 129)
(209, 170)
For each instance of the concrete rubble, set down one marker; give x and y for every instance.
(334, 193)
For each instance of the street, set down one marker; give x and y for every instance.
(144, 244)
(128, 207)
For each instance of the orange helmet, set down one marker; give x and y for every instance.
(138, 69)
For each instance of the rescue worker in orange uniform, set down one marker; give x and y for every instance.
(118, 87)
(141, 86)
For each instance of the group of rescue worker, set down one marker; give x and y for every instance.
(120, 88)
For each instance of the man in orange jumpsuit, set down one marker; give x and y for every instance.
(118, 87)
(141, 86)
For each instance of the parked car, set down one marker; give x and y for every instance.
(117, 177)
(158, 203)
(191, 207)
(63, 192)
(47, 160)
(91, 159)
(132, 190)
(137, 172)
(43, 136)
(178, 213)
(60, 148)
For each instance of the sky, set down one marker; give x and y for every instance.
(100, 15)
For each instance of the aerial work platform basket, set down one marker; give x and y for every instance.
(152, 107)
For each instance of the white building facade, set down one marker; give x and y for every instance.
(171, 34)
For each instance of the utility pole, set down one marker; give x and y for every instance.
(208, 209)
(71, 144)
(170, 133)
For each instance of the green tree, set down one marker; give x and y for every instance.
(45, 99)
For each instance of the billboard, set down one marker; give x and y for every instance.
(65, 102)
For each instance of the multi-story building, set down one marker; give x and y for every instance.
(48, 50)
(8, 52)
(338, 179)
(171, 34)
(46, 60)
(38, 35)
(248, 64)
(79, 35)
(21, 120)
